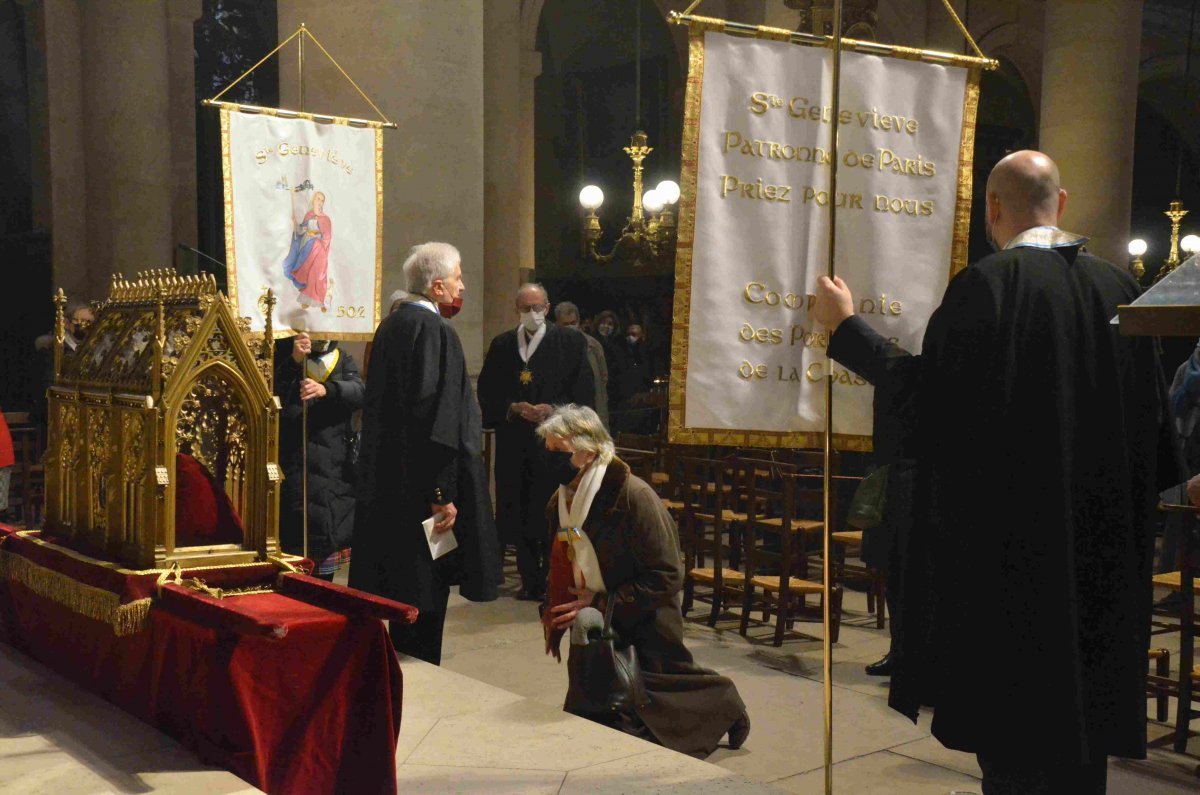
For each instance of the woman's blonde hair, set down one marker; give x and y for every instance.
(581, 426)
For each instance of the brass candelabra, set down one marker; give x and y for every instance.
(649, 233)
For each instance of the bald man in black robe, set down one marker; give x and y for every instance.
(1026, 581)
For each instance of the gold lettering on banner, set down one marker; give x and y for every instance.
(804, 109)
(285, 149)
(850, 201)
(882, 159)
(754, 190)
(815, 373)
(758, 293)
(871, 306)
(748, 333)
(752, 372)
(899, 206)
(809, 338)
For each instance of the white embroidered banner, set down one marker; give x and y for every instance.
(749, 361)
(303, 217)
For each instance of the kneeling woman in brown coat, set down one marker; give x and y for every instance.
(628, 550)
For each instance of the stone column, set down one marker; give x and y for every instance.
(127, 141)
(181, 16)
(60, 32)
(503, 199)
(1089, 104)
(531, 67)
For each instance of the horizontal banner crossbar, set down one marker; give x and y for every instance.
(857, 45)
(296, 114)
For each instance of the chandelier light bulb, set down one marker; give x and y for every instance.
(1190, 244)
(1137, 247)
(668, 190)
(591, 197)
(652, 201)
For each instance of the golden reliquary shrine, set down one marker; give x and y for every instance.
(163, 431)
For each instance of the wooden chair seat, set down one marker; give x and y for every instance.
(711, 488)
(708, 574)
(851, 538)
(770, 582)
(1168, 579)
(798, 525)
(672, 505)
(726, 515)
(659, 478)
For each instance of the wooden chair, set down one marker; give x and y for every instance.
(706, 491)
(27, 487)
(777, 581)
(1181, 620)
(1159, 684)
(841, 543)
(657, 475)
(641, 462)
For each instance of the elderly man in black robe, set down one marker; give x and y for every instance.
(421, 457)
(526, 373)
(1026, 585)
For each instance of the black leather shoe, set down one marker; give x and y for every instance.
(881, 668)
(528, 595)
(739, 731)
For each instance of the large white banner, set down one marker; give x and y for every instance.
(749, 360)
(303, 218)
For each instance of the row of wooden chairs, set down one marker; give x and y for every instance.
(747, 528)
(750, 529)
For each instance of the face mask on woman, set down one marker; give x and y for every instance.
(558, 462)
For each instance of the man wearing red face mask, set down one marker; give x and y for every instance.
(421, 456)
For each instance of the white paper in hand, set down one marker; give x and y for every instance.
(439, 543)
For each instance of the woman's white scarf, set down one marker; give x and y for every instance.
(584, 564)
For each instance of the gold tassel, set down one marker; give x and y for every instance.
(85, 600)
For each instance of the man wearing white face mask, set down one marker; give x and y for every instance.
(527, 371)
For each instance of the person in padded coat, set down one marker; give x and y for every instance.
(327, 377)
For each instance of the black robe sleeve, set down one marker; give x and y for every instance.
(493, 399)
(435, 380)
(895, 374)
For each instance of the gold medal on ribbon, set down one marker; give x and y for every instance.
(526, 377)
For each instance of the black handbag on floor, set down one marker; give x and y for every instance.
(604, 677)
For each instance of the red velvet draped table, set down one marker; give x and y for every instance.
(314, 711)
